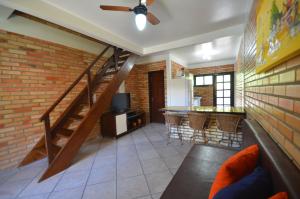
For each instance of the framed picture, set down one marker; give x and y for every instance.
(277, 32)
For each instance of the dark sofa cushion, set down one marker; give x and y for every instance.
(196, 174)
(235, 168)
(256, 185)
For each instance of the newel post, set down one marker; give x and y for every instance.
(48, 139)
(90, 93)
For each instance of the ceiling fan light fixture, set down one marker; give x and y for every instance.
(140, 12)
(140, 21)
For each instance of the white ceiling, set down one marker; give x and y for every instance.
(184, 23)
(224, 49)
(179, 19)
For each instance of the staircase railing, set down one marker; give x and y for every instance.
(65, 156)
(46, 116)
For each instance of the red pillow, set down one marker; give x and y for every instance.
(235, 168)
(280, 195)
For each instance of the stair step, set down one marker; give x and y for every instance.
(56, 149)
(83, 104)
(77, 117)
(42, 150)
(110, 73)
(65, 133)
(125, 54)
(104, 82)
(123, 59)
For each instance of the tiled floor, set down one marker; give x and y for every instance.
(136, 166)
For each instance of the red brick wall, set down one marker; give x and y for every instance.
(272, 98)
(175, 68)
(137, 85)
(206, 92)
(33, 73)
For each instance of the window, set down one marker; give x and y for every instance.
(222, 87)
(203, 80)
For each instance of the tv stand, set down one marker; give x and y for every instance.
(118, 124)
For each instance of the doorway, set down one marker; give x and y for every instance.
(156, 81)
(224, 90)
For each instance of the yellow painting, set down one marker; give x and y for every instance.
(277, 32)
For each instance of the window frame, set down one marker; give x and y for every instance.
(214, 84)
(195, 77)
(231, 88)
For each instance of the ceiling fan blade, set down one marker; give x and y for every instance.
(116, 8)
(149, 2)
(152, 19)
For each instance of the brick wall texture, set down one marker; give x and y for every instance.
(272, 97)
(206, 92)
(33, 73)
(175, 67)
(137, 85)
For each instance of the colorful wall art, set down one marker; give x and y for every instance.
(277, 32)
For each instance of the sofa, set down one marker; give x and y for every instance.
(199, 168)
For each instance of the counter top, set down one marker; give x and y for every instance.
(205, 109)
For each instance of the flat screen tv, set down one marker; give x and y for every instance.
(120, 102)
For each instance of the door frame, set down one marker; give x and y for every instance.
(150, 93)
(231, 87)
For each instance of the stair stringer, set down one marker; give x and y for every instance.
(64, 158)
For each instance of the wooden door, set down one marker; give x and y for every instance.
(156, 95)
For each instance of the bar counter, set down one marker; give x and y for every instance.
(205, 109)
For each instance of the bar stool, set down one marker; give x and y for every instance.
(228, 123)
(199, 123)
(174, 120)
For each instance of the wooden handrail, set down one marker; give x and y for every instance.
(73, 85)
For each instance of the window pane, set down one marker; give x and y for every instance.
(226, 85)
(226, 78)
(219, 101)
(227, 101)
(208, 80)
(219, 93)
(227, 93)
(220, 78)
(219, 86)
(199, 81)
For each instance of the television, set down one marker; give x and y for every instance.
(120, 102)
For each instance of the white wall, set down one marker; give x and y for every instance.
(34, 29)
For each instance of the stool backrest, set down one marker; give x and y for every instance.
(173, 119)
(197, 121)
(228, 122)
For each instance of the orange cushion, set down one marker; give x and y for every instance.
(235, 168)
(280, 195)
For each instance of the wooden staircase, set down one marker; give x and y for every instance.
(63, 139)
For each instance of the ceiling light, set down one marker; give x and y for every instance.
(140, 17)
(206, 57)
(140, 21)
(206, 51)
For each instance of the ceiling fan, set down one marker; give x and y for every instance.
(141, 13)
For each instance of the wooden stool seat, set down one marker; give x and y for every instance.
(199, 123)
(174, 120)
(228, 123)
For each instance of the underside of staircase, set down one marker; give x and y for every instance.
(63, 139)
